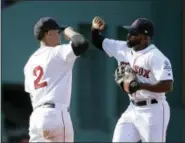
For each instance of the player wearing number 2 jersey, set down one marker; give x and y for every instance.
(48, 77)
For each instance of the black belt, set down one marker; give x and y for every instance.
(144, 102)
(48, 105)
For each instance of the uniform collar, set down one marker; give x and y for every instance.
(151, 46)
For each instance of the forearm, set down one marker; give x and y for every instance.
(69, 33)
(97, 39)
(78, 42)
(159, 87)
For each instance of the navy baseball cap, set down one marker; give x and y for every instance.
(44, 25)
(141, 26)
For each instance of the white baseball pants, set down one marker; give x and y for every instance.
(51, 125)
(146, 123)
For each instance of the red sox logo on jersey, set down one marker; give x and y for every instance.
(139, 70)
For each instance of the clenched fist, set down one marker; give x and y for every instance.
(67, 33)
(98, 23)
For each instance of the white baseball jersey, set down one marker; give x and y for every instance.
(48, 75)
(150, 65)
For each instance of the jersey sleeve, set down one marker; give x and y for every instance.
(65, 52)
(26, 83)
(114, 47)
(26, 86)
(161, 67)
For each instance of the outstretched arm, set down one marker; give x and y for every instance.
(110, 46)
(97, 38)
(98, 25)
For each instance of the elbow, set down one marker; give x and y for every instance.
(97, 39)
(170, 88)
(79, 44)
(166, 86)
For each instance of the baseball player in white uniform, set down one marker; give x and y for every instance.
(148, 114)
(48, 77)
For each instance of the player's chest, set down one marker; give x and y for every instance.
(140, 65)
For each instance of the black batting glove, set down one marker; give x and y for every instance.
(134, 86)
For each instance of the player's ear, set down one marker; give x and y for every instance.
(45, 34)
(49, 33)
(144, 37)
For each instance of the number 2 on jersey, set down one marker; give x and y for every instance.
(38, 72)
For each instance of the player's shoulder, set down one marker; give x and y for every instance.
(156, 53)
(61, 47)
(58, 47)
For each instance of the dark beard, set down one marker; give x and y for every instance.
(132, 44)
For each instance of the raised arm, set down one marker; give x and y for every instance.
(77, 46)
(97, 38)
(78, 43)
(98, 25)
(110, 46)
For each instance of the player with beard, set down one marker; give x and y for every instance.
(148, 114)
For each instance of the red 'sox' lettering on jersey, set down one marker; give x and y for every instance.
(141, 71)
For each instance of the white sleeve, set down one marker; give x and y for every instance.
(161, 67)
(26, 86)
(26, 83)
(65, 52)
(114, 47)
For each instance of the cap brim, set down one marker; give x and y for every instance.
(127, 27)
(131, 30)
